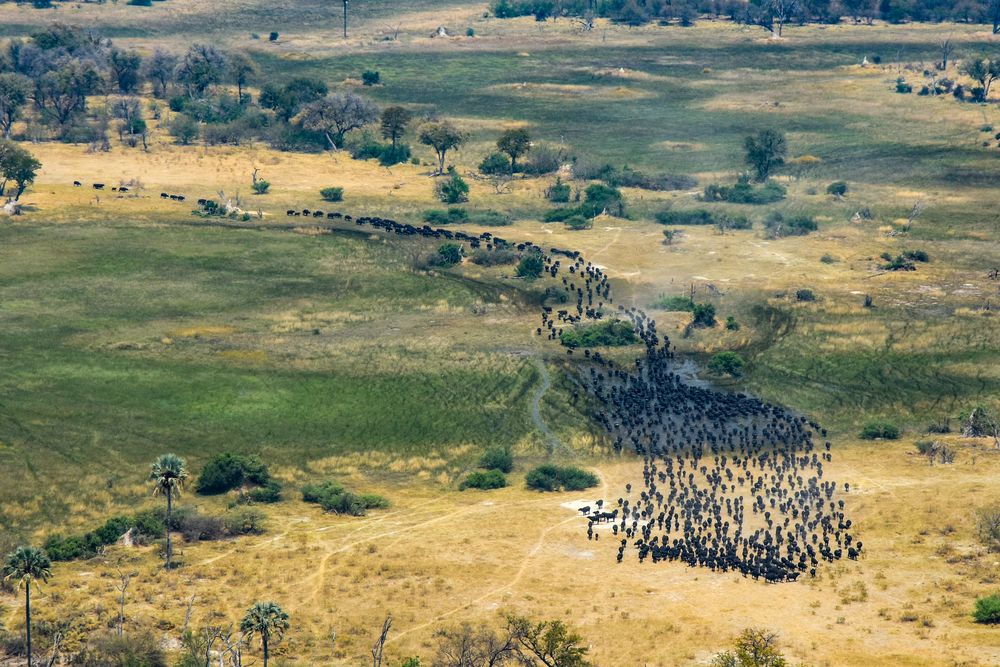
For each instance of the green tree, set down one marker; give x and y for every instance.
(61, 94)
(14, 90)
(265, 620)
(124, 67)
(26, 565)
(531, 266)
(754, 648)
(168, 474)
(442, 136)
(984, 70)
(550, 642)
(202, 66)
(450, 254)
(515, 143)
(764, 152)
(337, 114)
(394, 122)
(454, 190)
(727, 363)
(242, 70)
(18, 165)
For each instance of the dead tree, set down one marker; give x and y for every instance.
(947, 49)
(379, 646)
(124, 578)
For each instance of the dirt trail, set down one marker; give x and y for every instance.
(551, 441)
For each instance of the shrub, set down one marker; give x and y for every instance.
(732, 324)
(727, 363)
(229, 471)
(558, 192)
(599, 198)
(198, 527)
(703, 315)
(391, 155)
(828, 259)
(332, 194)
(453, 190)
(903, 87)
(695, 217)
(578, 222)
(449, 254)
(244, 521)
(470, 32)
(531, 266)
(268, 493)
(332, 497)
(453, 215)
(837, 188)
(744, 193)
(495, 257)
(183, 129)
(607, 333)
(674, 303)
(273, 37)
(495, 163)
(260, 186)
(916, 255)
(497, 458)
(778, 226)
(987, 609)
(127, 650)
(879, 429)
(805, 295)
(550, 477)
(371, 78)
(988, 526)
(543, 160)
(489, 479)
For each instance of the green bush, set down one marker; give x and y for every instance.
(598, 198)
(732, 324)
(744, 193)
(229, 471)
(805, 295)
(837, 188)
(879, 429)
(696, 217)
(332, 194)
(333, 497)
(273, 37)
(607, 333)
(550, 477)
(674, 303)
(391, 155)
(558, 192)
(261, 186)
(778, 226)
(183, 129)
(578, 222)
(495, 257)
(489, 479)
(531, 266)
(497, 458)
(371, 78)
(727, 363)
(453, 215)
(449, 254)
(453, 190)
(703, 315)
(987, 609)
(268, 493)
(495, 163)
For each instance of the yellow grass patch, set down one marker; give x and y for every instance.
(201, 330)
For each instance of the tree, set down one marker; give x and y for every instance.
(18, 165)
(442, 136)
(727, 363)
(268, 621)
(984, 71)
(531, 266)
(26, 565)
(454, 190)
(61, 94)
(14, 90)
(515, 143)
(124, 68)
(242, 70)
(394, 122)
(202, 66)
(764, 152)
(168, 474)
(337, 114)
(159, 69)
(468, 646)
(754, 648)
(288, 100)
(549, 642)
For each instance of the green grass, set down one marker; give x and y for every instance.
(87, 386)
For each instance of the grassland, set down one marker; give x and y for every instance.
(129, 329)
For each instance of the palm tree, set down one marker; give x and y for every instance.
(25, 565)
(168, 474)
(267, 620)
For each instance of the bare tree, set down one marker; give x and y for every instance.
(124, 578)
(468, 646)
(379, 647)
(947, 48)
(337, 114)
